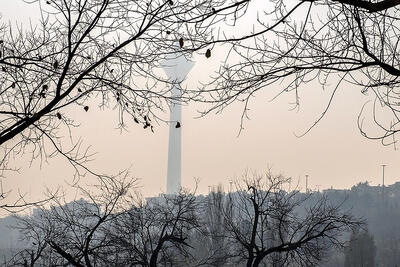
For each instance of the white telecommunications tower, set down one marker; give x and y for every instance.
(176, 67)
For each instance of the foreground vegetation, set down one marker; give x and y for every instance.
(112, 225)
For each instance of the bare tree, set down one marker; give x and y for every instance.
(336, 43)
(266, 224)
(110, 227)
(81, 49)
(157, 230)
(74, 232)
(79, 52)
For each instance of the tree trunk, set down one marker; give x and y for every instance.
(250, 262)
(257, 261)
(154, 256)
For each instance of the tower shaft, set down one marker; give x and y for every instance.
(174, 145)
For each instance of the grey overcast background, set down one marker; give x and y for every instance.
(333, 154)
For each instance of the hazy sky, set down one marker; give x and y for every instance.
(333, 154)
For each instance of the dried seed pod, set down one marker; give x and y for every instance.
(208, 53)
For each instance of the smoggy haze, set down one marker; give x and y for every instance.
(334, 153)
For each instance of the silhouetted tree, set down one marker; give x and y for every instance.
(74, 233)
(339, 44)
(110, 227)
(82, 49)
(361, 250)
(266, 224)
(156, 231)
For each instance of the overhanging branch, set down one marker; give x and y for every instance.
(371, 7)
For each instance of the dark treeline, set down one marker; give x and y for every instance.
(256, 224)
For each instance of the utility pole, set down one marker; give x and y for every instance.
(318, 185)
(383, 180)
(306, 183)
